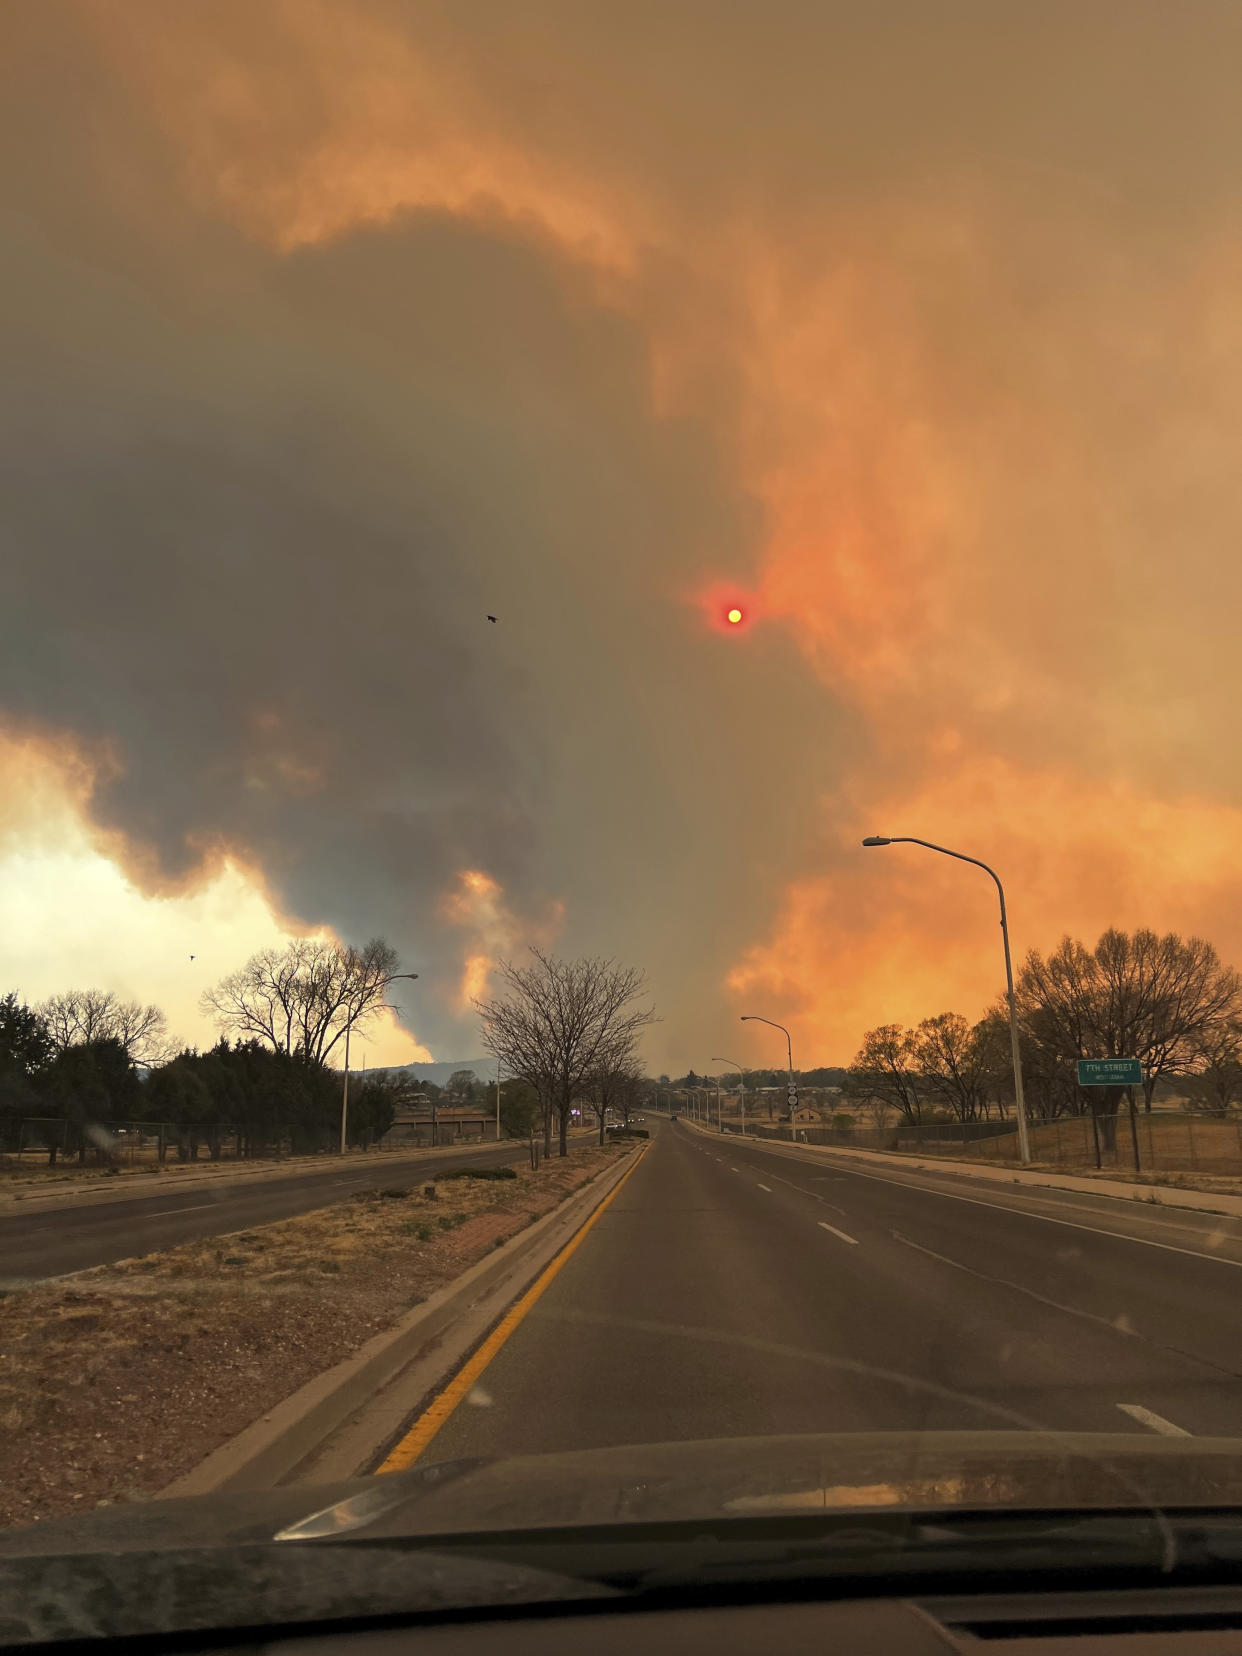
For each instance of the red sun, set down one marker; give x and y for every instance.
(726, 605)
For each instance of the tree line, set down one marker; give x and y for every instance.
(1168, 1001)
(83, 1061)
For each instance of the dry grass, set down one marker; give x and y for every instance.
(115, 1381)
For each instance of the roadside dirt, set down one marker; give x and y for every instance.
(117, 1380)
(1222, 1184)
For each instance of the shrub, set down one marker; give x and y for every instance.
(480, 1173)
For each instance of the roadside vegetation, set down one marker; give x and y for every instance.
(86, 1077)
(569, 1029)
(115, 1381)
(1168, 1001)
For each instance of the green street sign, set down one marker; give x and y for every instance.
(1110, 1072)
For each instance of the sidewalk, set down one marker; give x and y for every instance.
(1205, 1201)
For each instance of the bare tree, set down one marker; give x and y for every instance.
(559, 1023)
(614, 1088)
(995, 1053)
(1213, 1074)
(82, 1015)
(952, 1061)
(301, 999)
(886, 1070)
(880, 1112)
(1132, 996)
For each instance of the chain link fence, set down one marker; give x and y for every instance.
(1157, 1143)
(30, 1141)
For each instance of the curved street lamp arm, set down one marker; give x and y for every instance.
(906, 839)
(1019, 1098)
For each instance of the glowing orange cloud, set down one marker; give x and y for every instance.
(896, 934)
(477, 906)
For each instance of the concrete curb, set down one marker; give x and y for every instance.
(1169, 1196)
(429, 1342)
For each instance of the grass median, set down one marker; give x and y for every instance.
(119, 1379)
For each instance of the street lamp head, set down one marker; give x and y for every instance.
(876, 839)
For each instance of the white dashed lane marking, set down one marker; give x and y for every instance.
(852, 1240)
(1153, 1422)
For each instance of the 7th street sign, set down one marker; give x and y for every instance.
(1110, 1072)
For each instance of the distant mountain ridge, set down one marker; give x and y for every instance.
(484, 1070)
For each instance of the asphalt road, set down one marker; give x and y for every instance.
(729, 1290)
(35, 1245)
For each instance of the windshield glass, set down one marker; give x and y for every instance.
(617, 861)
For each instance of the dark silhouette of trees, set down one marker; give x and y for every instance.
(301, 998)
(79, 1017)
(1135, 995)
(558, 1023)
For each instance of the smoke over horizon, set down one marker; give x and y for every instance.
(915, 330)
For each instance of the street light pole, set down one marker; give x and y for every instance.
(1019, 1099)
(498, 1101)
(749, 1018)
(348, 1027)
(741, 1085)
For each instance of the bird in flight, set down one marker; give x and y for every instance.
(491, 618)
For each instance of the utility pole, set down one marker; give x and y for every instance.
(1019, 1099)
(793, 1085)
(741, 1086)
(348, 1027)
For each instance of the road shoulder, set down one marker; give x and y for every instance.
(1118, 1189)
(120, 1379)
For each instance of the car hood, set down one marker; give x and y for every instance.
(717, 1478)
(555, 1529)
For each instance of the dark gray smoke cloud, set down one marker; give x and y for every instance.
(256, 509)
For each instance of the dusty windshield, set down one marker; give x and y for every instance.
(616, 739)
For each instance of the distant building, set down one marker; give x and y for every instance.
(417, 1124)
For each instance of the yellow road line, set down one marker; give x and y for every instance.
(437, 1412)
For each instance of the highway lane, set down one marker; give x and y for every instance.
(34, 1246)
(731, 1289)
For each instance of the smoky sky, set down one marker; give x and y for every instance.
(331, 330)
(258, 506)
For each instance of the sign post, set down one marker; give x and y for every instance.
(1113, 1072)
